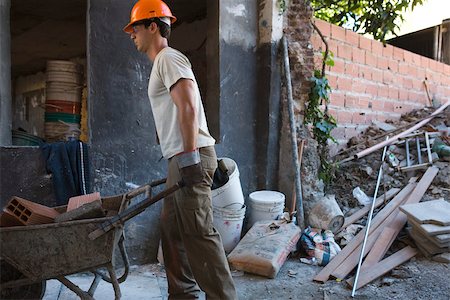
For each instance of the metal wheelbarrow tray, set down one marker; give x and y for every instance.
(52, 251)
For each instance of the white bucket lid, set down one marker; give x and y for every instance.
(267, 197)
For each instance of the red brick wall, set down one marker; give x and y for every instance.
(370, 81)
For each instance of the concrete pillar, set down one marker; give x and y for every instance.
(5, 74)
(270, 29)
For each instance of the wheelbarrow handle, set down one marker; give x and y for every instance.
(132, 211)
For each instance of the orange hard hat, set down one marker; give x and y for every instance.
(147, 9)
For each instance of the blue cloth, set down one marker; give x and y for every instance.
(69, 165)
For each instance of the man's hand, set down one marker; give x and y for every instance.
(190, 167)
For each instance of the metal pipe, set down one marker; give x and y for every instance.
(298, 187)
(408, 162)
(369, 220)
(419, 154)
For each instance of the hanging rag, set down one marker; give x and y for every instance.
(69, 165)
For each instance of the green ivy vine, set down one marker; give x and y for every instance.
(318, 117)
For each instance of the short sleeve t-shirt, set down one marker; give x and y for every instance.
(171, 65)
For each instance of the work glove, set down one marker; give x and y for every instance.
(190, 167)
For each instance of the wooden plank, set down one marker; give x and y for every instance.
(351, 261)
(325, 273)
(365, 210)
(377, 252)
(384, 266)
(398, 222)
(431, 212)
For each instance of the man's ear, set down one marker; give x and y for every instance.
(153, 27)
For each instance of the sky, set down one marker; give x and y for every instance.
(430, 14)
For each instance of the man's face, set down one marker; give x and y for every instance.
(138, 35)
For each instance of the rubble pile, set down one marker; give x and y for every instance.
(362, 173)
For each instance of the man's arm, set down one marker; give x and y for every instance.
(183, 95)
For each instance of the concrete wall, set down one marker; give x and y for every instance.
(370, 81)
(5, 74)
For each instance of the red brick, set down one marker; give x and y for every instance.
(365, 72)
(359, 118)
(382, 63)
(393, 93)
(316, 42)
(416, 59)
(377, 75)
(344, 117)
(383, 91)
(433, 65)
(403, 68)
(372, 89)
(377, 47)
(412, 70)
(440, 67)
(351, 69)
(408, 57)
(337, 33)
(389, 106)
(388, 51)
(338, 66)
(421, 74)
(358, 86)
(403, 94)
(333, 46)
(407, 83)
(344, 51)
(388, 77)
(371, 60)
(352, 38)
(393, 65)
(417, 84)
(365, 43)
(351, 101)
(424, 61)
(365, 102)
(378, 105)
(324, 27)
(337, 99)
(358, 55)
(398, 54)
(332, 81)
(344, 84)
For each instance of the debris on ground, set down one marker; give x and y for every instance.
(410, 158)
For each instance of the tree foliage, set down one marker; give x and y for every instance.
(375, 17)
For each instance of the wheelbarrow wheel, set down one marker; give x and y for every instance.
(31, 291)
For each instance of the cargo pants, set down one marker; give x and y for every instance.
(194, 257)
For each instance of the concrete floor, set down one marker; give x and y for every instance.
(419, 278)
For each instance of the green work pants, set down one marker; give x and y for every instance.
(194, 257)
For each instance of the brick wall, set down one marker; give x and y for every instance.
(370, 81)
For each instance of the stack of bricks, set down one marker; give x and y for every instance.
(27, 213)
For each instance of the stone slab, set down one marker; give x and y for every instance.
(430, 229)
(430, 212)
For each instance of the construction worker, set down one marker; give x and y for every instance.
(194, 257)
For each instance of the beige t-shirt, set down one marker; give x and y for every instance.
(169, 66)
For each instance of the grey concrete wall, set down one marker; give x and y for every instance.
(5, 74)
(23, 174)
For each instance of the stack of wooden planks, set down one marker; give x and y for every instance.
(384, 229)
(429, 225)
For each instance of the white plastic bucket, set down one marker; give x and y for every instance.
(228, 223)
(230, 194)
(265, 205)
(63, 71)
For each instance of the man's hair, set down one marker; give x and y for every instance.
(164, 29)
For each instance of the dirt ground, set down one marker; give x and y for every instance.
(419, 278)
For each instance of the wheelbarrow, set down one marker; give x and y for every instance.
(30, 255)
